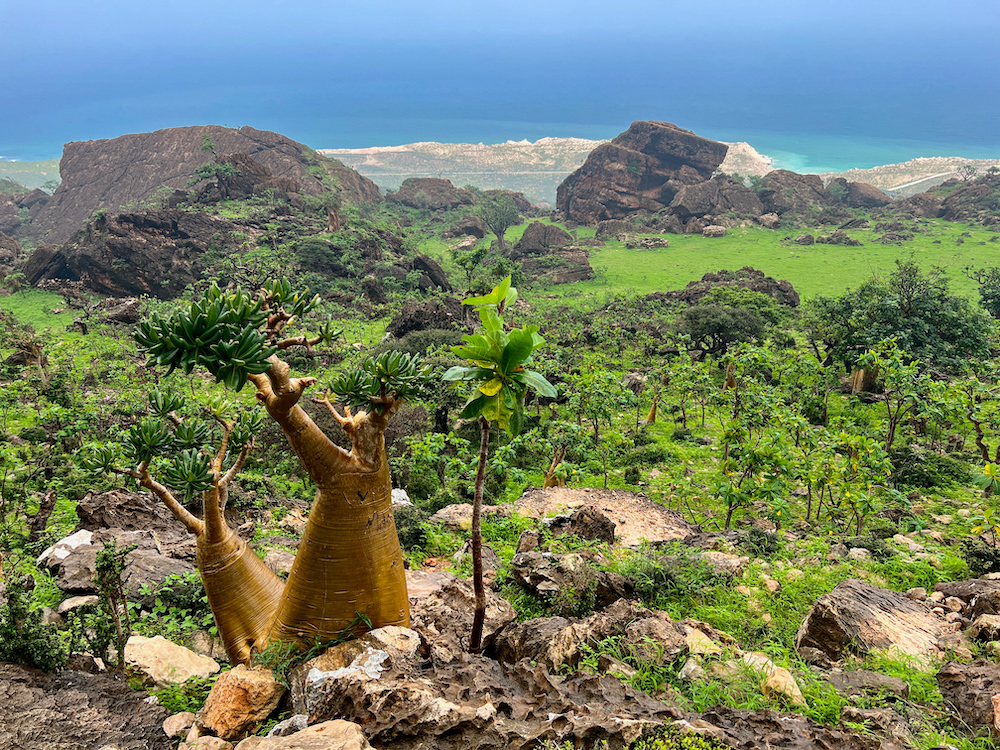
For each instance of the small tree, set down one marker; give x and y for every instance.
(499, 214)
(349, 568)
(497, 360)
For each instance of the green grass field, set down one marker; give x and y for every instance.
(812, 270)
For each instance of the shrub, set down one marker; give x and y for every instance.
(923, 469)
(189, 695)
(410, 526)
(648, 455)
(24, 638)
(660, 577)
(874, 544)
(759, 543)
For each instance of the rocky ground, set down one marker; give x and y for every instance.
(584, 677)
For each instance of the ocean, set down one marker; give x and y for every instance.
(810, 105)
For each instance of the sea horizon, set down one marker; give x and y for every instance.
(806, 153)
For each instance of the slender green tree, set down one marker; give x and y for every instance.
(497, 360)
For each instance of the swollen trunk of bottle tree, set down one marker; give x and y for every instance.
(349, 563)
(242, 591)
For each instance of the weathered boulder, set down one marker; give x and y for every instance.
(162, 663)
(857, 617)
(838, 237)
(721, 195)
(861, 681)
(478, 702)
(745, 278)
(556, 642)
(587, 522)
(647, 243)
(968, 690)
(239, 700)
(572, 580)
(539, 238)
(155, 253)
(751, 730)
(563, 266)
(71, 710)
(783, 192)
(328, 735)
(713, 230)
(74, 568)
(467, 226)
(640, 170)
(387, 645)
(857, 194)
(769, 221)
(179, 724)
(432, 193)
(439, 313)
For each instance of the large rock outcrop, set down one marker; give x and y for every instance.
(153, 252)
(745, 278)
(130, 170)
(640, 170)
(432, 193)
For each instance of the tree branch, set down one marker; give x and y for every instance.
(192, 523)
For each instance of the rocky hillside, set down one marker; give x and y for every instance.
(132, 170)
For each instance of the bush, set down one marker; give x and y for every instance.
(189, 695)
(923, 469)
(648, 455)
(24, 639)
(981, 557)
(410, 526)
(874, 544)
(759, 543)
(660, 577)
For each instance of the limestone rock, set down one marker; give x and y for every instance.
(985, 628)
(240, 699)
(859, 617)
(178, 724)
(750, 730)
(164, 663)
(328, 735)
(396, 643)
(556, 641)
(206, 743)
(539, 239)
(432, 193)
(441, 610)
(635, 516)
(713, 230)
(567, 577)
(968, 689)
(769, 221)
(858, 681)
(70, 710)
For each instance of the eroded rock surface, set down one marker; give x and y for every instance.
(72, 710)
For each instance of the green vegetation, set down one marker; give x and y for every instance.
(735, 411)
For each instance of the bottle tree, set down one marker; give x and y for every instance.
(497, 360)
(349, 568)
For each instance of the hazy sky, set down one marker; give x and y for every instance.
(367, 73)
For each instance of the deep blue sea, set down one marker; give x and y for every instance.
(813, 105)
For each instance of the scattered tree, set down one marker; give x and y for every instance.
(499, 214)
(497, 358)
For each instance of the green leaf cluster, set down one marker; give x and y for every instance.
(497, 358)
(220, 332)
(390, 373)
